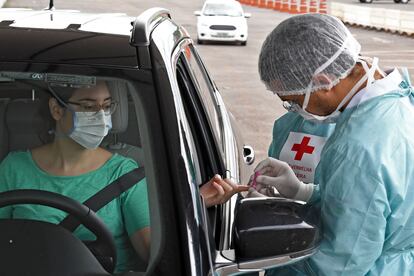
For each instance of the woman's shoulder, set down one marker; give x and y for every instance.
(15, 162)
(16, 157)
(121, 163)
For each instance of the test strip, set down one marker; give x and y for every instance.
(254, 183)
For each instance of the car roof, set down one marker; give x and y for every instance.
(232, 2)
(66, 37)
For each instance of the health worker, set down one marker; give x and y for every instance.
(364, 182)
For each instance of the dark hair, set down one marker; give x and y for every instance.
(46, 133)
(61, 94)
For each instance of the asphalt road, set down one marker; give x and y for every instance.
(234, 68)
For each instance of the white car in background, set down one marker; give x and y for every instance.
(222, 20)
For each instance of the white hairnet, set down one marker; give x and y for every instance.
(307, 52)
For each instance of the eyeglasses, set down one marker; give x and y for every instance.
(291, 106)
(108, 108)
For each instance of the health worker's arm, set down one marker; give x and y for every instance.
(354, 208)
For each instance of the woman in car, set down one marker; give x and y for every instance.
(74, 165)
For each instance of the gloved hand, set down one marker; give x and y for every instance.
(279, 174)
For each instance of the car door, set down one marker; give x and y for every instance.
(212, 127)
(205, 136)
(189, 160)
(205, 151)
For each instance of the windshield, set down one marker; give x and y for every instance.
(28, 93)
(222, 9)
(49, 116)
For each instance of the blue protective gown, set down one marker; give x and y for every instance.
(293, 122)
(366, 189)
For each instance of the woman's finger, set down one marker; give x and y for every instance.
(219, 188)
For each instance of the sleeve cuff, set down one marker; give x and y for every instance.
(305, 192)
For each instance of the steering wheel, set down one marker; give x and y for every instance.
(103, 248)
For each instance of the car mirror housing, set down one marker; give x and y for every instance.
(247, 15)
(197, 13)
(271, 227)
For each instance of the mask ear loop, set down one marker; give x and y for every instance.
(323, 67)
(371, 72)
(307, 96)
(352, 92)
(74, 119)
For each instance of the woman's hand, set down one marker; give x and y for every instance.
(217, 191)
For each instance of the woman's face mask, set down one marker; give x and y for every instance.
(332, 118)
(90, 128)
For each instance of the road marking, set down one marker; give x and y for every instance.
(381, 40)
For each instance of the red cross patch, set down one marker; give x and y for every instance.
(303, 148)
(302, 152)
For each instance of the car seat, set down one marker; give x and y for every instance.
(3, 132)
(124, 135)
(23, 124)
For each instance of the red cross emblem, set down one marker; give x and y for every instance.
(302, 148)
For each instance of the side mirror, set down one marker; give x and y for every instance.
(197, 13)
(247, 15)
(267, 228)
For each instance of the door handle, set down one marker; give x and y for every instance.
(248, 154)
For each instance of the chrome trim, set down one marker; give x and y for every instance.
(232, 172)
(272, 199)
(144, 24)
(262, 264)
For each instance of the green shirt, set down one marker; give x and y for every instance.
(123, 216)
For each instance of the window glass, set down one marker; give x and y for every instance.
(193, 157)
(88, 112)
(206, 90)
(198, 160)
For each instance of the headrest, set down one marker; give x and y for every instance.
(3, 132)
(119, 93)
(24, 124)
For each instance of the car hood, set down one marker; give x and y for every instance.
(221, 20)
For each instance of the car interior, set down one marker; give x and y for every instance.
(22, 102)
(20, 105)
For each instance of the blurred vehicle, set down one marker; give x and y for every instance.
(222, 21)
(396, 1)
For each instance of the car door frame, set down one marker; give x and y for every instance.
(195, 257)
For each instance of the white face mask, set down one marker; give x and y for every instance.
(332, 118)
(90, 128)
